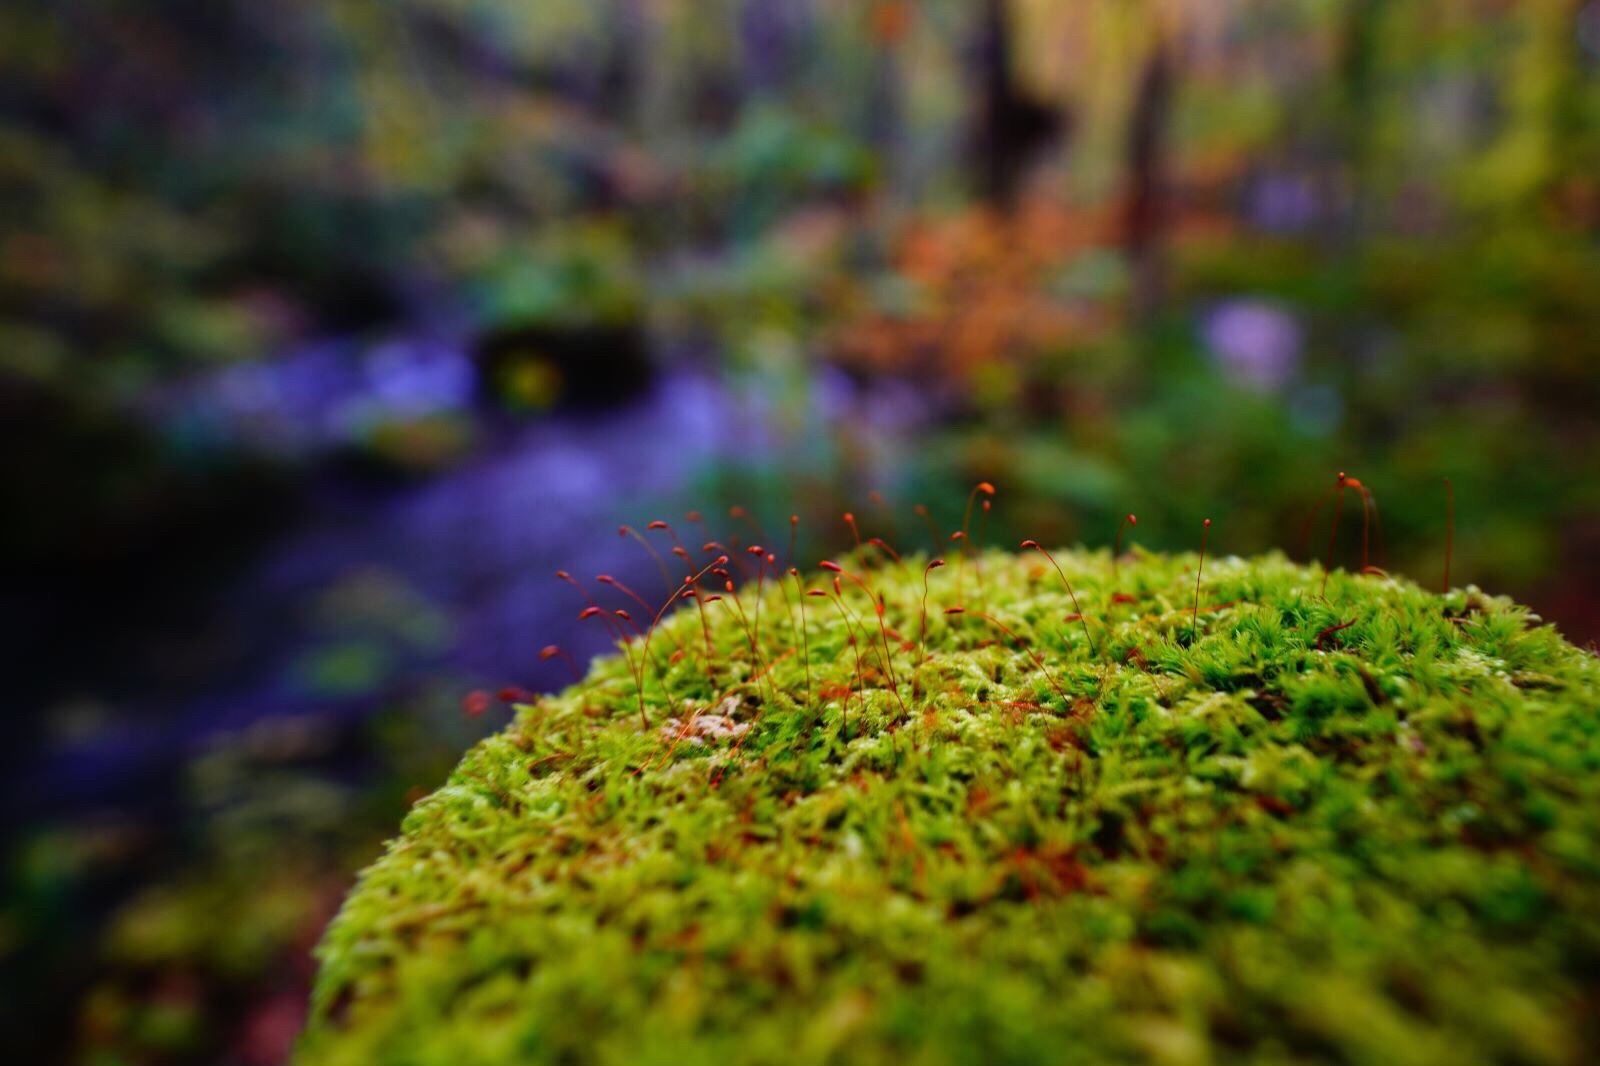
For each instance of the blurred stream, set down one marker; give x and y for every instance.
(383, 584)
(468, 554)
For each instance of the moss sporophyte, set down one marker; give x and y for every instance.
(1112, 813)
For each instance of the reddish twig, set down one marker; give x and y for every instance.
(551, 651)
(1078, 610)
(1449, 530)
(1116, 552)
(1194, 622)
(855, 647)
(805, 632)
(666, 575)
(933, 530)
(1333, 531)
(966, 523)
(1021, 644)
(1331, 630)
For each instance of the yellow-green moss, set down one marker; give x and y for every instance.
(1242, 849)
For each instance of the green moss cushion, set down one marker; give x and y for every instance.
(1239, 848)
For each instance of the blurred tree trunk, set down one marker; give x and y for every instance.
(1011, 128)
(1545, 152)
(624, 62)
(1358, 56)
(1145, 212)
(770, 33)
(890, 20)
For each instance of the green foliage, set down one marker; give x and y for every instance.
(1272, 842)
(579, 275)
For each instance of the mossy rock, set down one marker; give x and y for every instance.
(1234, 836)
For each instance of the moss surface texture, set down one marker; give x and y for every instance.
(1141, 835)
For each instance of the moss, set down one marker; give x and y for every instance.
(1244, 848)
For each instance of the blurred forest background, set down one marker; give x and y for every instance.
(329, 330)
